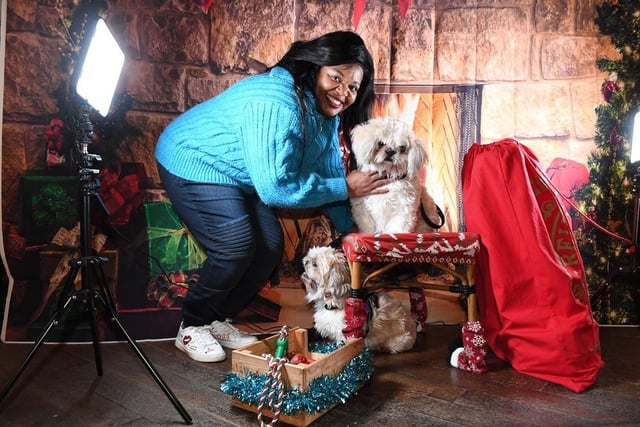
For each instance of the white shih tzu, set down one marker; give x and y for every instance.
(326, 278)
(390, 147)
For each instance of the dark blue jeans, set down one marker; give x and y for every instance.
(243, 240)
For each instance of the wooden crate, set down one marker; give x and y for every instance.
(249, 359)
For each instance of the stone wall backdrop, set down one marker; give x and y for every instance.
(535, 61)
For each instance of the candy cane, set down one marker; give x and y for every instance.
(273, 383)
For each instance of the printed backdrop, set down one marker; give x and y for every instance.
(151, 258)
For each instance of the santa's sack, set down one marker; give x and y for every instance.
(532, 290)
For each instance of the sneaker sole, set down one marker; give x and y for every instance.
(201, 358)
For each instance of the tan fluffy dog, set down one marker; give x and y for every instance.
(326, 278)
(390, 147)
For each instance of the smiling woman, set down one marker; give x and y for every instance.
(337, 88)
(269, 141)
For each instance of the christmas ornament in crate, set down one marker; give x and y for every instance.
(289, 390)
(172, 247)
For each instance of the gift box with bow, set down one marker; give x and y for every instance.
(122, 190)
(47, 202)
(171, 245)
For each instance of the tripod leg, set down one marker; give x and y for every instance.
(94, 334)
(110, 310)
(102, 280)
(54, 319)
(68, 285)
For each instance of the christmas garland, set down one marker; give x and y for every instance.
(323, 393)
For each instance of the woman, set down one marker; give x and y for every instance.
(268, 141)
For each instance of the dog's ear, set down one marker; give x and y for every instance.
(362, 146)
(339, 275)
(417, 155)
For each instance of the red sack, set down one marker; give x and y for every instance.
(532, 291)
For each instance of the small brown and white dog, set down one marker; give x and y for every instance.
(326, 278)
(389, 147)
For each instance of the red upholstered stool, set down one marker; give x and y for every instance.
(450, 252)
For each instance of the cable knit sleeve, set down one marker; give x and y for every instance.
(286, 170)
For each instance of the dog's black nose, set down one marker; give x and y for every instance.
(389, 153)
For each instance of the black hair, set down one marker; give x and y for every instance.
(304, 59)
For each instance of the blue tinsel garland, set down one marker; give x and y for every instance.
(323, 392)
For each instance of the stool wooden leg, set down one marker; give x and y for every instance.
(472, 308)
(356, 275)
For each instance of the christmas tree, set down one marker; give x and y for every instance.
(608, 253)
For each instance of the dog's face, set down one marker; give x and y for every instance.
(388, 146)
(326, 277)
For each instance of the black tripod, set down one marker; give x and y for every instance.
(89, 298)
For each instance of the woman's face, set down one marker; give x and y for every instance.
(337, 87)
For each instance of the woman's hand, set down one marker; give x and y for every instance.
(365, 183)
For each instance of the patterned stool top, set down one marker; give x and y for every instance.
(457, 248)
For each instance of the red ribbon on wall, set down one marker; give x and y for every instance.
(404, 6)
(358, 8)
(359, 5)
(204, 4)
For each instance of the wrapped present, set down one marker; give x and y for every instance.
(167, 291)
(122, 190)
(14, 243)
(47, 202)
(171, 245)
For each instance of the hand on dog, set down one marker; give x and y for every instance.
(365, 183)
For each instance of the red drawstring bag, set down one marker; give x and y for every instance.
(532, 291)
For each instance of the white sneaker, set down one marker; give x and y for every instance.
(198, 344)
(229, 336)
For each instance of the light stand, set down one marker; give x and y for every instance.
(90, 297)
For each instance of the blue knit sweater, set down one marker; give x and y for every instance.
(253, 136)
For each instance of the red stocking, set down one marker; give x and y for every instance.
(418, 307)
(472, 357)
(355, 317)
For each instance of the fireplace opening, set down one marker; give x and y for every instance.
(446, 119)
